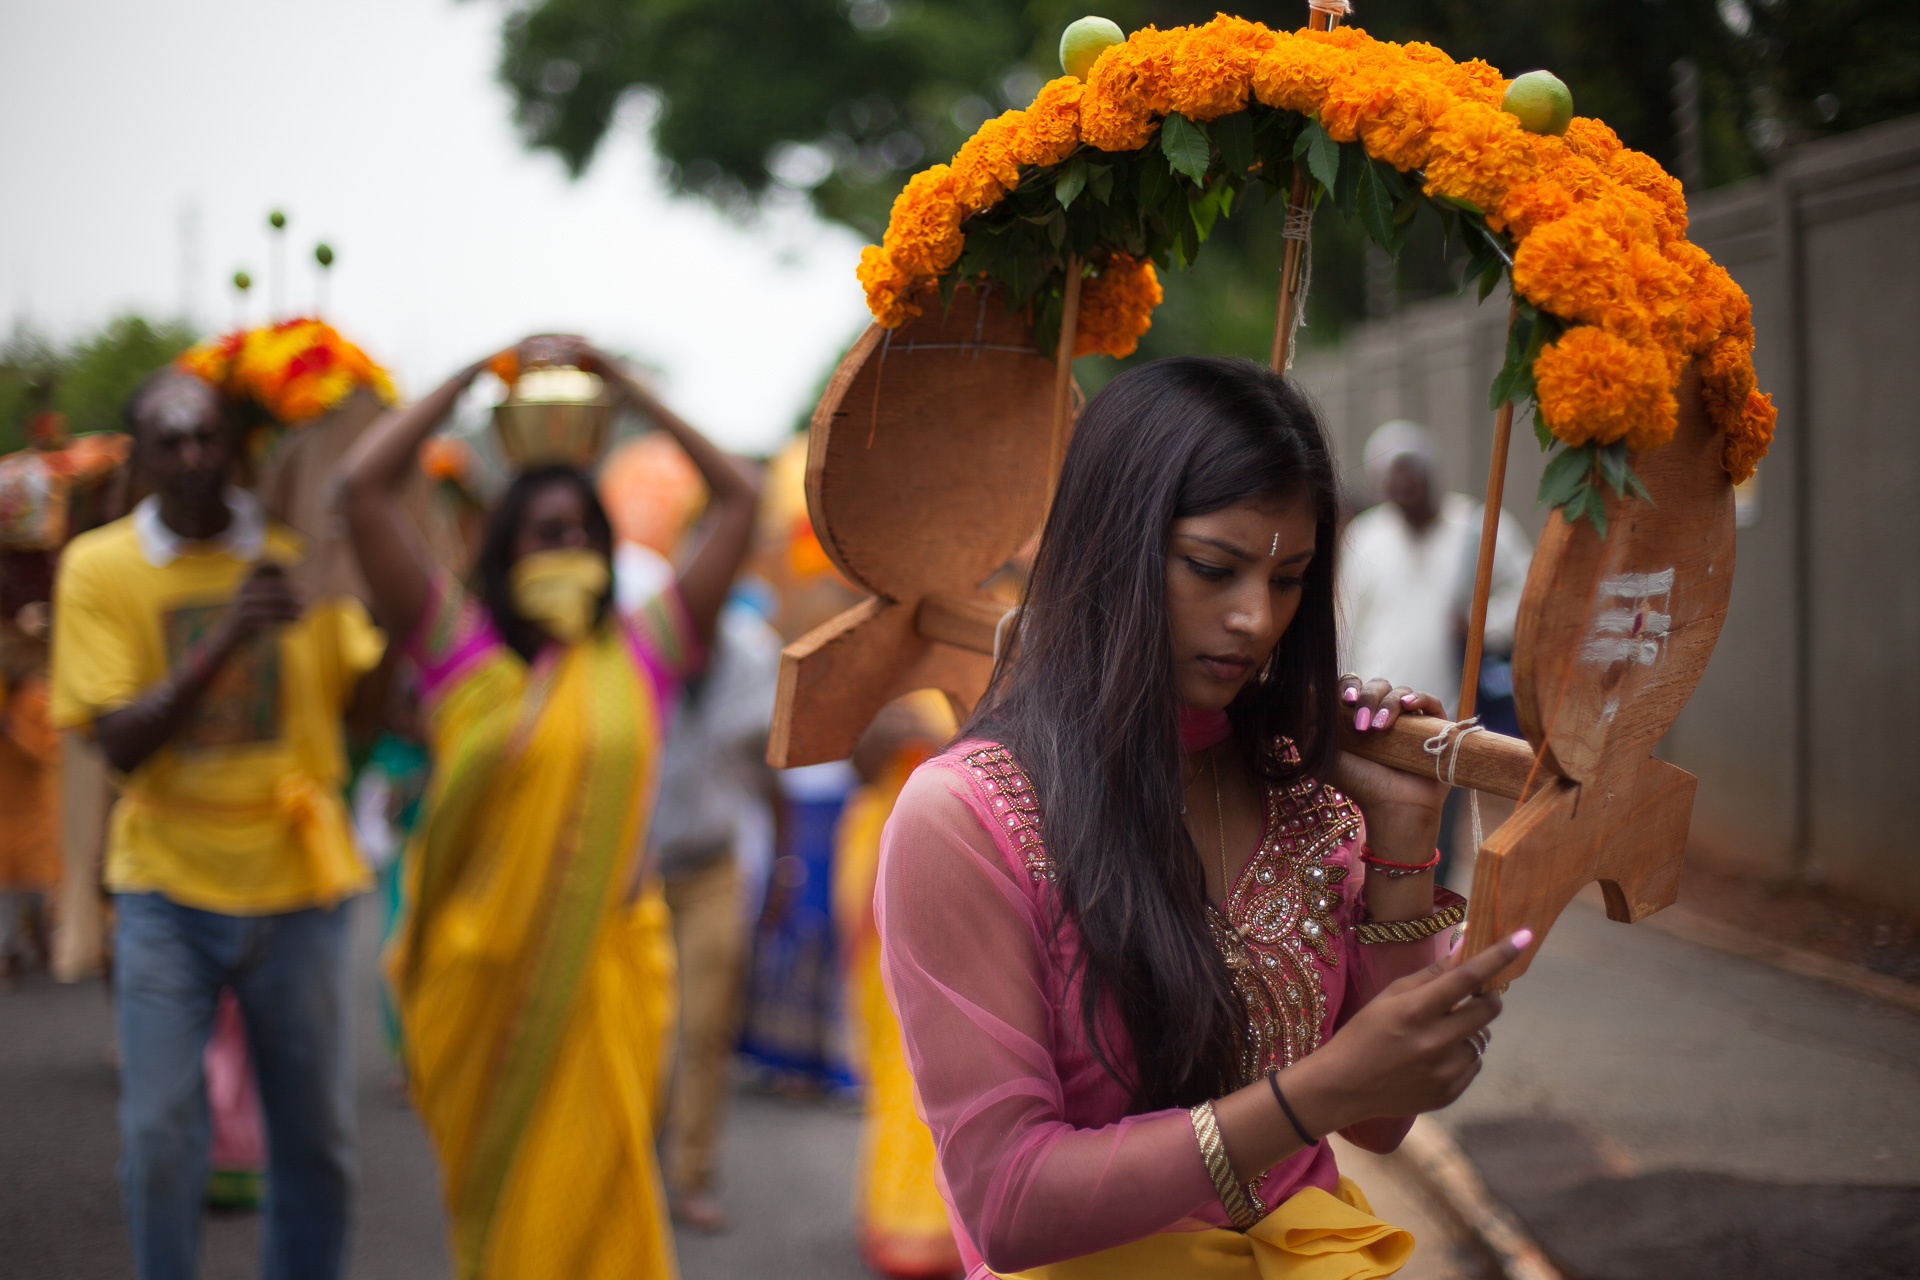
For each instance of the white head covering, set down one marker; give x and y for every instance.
(1397, 439)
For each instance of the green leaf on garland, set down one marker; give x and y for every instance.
(1353, 163)
(1071, 182)
(1208, 208)
(1613, 466)
(1521, 388)
(1189, 235)
(1402, 232)
(1541, 431)
(1490, 277)
(1596, 510)
(1637, 489)
(1154, 181)
(1185, 145)
(1234, 136)
(1100, 181)
(1566, 476)
(1376, 205)
(1617, 467)
(1321, 153)
(1505, 384)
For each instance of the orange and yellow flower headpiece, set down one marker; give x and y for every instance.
(290, 372)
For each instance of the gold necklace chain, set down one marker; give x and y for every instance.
(1220, 826)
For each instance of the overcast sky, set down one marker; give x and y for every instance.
(378, 126)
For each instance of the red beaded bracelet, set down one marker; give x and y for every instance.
(1398, 868)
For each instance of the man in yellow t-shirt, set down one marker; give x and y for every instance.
(218, 697)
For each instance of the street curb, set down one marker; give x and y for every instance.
(1445, 1171)
(1691, 926)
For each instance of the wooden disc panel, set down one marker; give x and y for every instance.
(926, 464)
(1612, 637)
(926, 471)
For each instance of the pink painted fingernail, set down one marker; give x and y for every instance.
(1350, 694)
(1408, 699)
(1523, 938)
(1360, 718)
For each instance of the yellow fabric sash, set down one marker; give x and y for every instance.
(314, 813)
(536, 1004)
(1309, 1236)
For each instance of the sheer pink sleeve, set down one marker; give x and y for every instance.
(1372, 968)
(974, 982)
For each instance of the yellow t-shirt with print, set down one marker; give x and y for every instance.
(239, 812)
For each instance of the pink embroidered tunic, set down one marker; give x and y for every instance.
(1039, 1156)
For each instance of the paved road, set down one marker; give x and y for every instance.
(1645, 1100)
(788, 1169)
(789, 1164)
(1653, 1108)
(59, 1203)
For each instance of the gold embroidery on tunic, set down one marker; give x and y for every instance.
(1014, 806)
(1278, 919)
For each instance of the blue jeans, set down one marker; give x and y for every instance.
(290, 972)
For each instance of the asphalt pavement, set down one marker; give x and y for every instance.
(1650, 1108)
(787, 1167)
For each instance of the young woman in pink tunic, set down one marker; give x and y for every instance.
(1150, 934)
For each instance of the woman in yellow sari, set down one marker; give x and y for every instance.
(898, 1214)
(534, 971)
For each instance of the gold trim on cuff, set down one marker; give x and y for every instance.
(1449, 910)
(1213, 1150)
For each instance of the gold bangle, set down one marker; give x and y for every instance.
(1213, 1150)
(1449, 910)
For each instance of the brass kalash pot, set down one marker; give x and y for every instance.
(554, 413)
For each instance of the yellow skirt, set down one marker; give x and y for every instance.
(901, 1218)
(1310, 1236)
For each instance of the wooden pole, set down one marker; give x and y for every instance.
(1063, 374)
(1293, 257)
(1483, 568)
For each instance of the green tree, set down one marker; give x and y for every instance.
(89, 380)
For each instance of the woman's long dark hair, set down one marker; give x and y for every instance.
(1087, 704)
(493, 566)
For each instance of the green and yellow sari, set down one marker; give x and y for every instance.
(536, 993)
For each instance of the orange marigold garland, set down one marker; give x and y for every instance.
(1116, 307)
(291, 371)
(1614, 299)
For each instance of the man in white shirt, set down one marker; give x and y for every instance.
(1406, 571)
(1406, 584)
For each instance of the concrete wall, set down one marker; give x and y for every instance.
(1799, 731)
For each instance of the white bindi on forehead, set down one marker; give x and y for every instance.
(1274, 550)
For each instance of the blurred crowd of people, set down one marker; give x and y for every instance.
(528, 719)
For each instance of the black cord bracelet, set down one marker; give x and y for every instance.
(1273, 1082)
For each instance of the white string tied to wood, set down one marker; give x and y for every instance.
(1298, 226)
(1446, 744)
(1335, 9)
